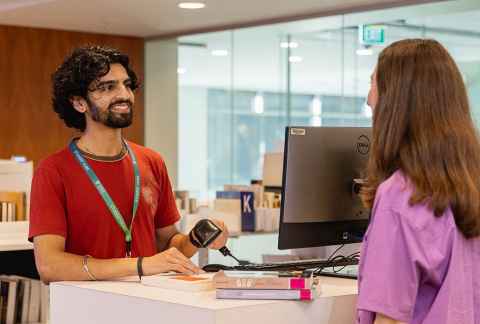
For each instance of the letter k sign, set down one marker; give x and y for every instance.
(246, 204)
(248, 211)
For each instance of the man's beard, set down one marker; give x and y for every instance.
(110, 118)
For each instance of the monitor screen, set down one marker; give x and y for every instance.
(322, 174)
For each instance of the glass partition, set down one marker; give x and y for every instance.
(238, 89)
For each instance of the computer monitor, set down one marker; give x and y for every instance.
(322, 174)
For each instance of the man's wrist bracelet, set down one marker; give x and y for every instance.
(85, 268)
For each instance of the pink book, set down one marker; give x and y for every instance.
(269, 294)
(261, 280)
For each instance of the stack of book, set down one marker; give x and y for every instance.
(12, 206)
(264, 285)
(23, 300)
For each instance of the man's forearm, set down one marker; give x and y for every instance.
(183, 244)
(67, 266)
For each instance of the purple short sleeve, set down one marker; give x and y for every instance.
(389, 273)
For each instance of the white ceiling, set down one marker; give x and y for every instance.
(147, 18)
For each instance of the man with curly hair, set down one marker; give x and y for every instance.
(103, 207)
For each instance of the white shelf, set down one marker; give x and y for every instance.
(13, 227)
(14, 236)
(15, 245)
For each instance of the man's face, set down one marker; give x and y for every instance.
(110, 98)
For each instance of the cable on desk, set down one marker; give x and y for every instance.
(333, 260)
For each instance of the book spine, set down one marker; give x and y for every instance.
(228, 195)
(4, 211)
(263, 283)
(265, 294)
(12, 302)
(248, 211)
(4, 300)
(11, 212)
(298, 283)
(306, 294)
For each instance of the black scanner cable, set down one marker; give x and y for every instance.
(226, 252)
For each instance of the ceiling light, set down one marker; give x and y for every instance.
(181, 70)
(191, 5)
(324, 35)
(364, 51)
(258, 104)
(295, 59)
(288, 44)
(219, 52)
(316, 106)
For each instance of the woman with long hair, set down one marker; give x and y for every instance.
(420, 259)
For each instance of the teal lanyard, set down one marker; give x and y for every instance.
(106, 197)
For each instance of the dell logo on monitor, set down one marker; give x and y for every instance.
(363, 145)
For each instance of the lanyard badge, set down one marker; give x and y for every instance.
(127, 231)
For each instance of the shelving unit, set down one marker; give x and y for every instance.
(16, 252)
(14, 236)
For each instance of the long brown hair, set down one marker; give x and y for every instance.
(423, 127)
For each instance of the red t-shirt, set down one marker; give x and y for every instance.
(65, 202)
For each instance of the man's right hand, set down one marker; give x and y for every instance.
(169, 260)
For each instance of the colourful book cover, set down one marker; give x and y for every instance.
(201, 282)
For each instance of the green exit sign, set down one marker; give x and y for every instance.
(371, 34)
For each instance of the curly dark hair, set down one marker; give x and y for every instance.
(75, 75)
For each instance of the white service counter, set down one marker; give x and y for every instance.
(134, 303)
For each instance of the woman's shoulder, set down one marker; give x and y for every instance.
(394, 194)
(396, 188)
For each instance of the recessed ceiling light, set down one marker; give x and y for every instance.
(219, 52)
(324, 35)
(364, 51)
(181, 70)
(288, 44)
(295, 59)
(316, 106)
(258, 104)
(191, 5)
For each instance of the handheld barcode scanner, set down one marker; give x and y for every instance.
(204, 233)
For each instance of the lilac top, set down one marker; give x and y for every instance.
(415, 267)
